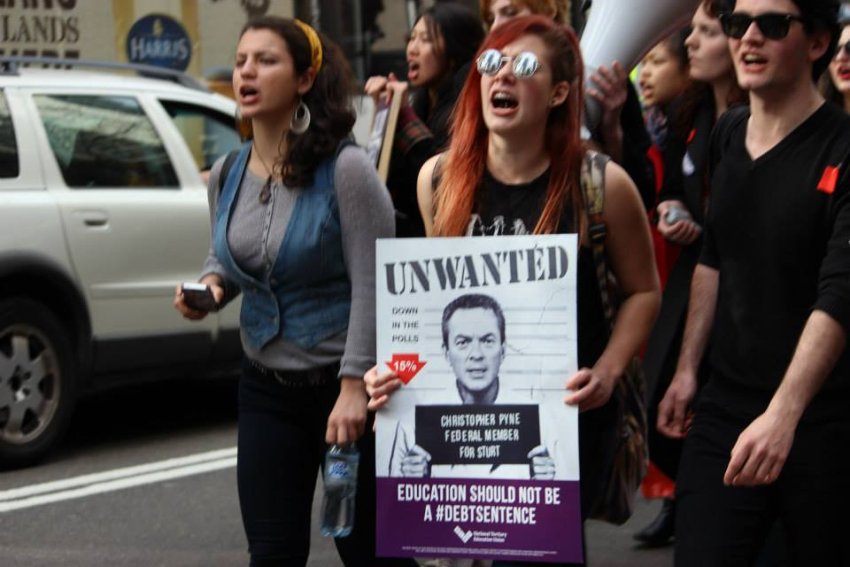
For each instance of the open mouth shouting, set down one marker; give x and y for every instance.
(503, 102)
(412, 71)
(753, 61)
(646, 92)
(248, 94)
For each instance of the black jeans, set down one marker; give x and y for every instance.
(718, 526)
(281, 448)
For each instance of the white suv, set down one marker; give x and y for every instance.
(103, 211)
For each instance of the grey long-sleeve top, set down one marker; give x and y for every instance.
(255, 234)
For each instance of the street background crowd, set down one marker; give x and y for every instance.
(726, 189)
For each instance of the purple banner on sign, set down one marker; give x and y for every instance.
(487, 519)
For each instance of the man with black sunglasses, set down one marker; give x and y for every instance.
(769, 436)
(772, 25)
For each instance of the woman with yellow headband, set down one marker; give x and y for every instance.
(295, 215)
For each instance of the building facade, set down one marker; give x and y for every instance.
(199, 36)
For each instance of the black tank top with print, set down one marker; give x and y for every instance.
(503, 209)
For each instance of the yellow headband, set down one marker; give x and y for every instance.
(315, 44)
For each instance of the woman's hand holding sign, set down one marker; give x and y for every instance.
(380, 386)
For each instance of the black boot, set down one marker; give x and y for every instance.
(660, 531)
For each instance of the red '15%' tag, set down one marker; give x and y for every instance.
(406, 366)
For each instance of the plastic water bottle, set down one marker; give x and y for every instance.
(340, 488)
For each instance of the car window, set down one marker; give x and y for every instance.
(9, 164)
(105, 141)
(208, 133)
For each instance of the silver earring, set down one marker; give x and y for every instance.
(300, 119)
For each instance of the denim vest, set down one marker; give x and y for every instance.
(306, 297)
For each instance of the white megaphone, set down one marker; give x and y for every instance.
(624, 31)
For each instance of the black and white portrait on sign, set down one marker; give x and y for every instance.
(495, 332)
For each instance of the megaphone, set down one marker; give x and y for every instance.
(624, 31)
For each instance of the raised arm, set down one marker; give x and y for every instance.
(608, 88)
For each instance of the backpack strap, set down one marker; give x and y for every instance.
(593, 191)
(225, 168)
(631, 456)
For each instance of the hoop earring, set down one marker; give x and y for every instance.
(300, 119)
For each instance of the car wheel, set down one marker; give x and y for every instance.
(37, 393)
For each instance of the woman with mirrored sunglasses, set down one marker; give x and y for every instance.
(621, 132)
(512, 168)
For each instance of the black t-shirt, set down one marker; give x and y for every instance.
(503, 209)
(778, 232)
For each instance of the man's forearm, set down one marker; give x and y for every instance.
(701, 307)
(821, 344)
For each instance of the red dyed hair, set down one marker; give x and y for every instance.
(466, 158)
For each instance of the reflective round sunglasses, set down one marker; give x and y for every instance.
(773, 25)
(524, 65)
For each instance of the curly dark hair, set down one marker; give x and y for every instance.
(329, 101)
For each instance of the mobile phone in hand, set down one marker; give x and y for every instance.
(675, 214)
(198, 296)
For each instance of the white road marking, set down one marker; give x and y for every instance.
(117, 479)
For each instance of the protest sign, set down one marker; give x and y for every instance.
(477, 454)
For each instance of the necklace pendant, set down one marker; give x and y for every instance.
(266, 191)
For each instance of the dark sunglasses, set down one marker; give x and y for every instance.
(772, 25)
(523, 66)
(845, 47)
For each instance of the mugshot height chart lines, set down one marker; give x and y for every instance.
(477, 455)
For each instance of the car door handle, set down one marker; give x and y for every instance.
(95, 220)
